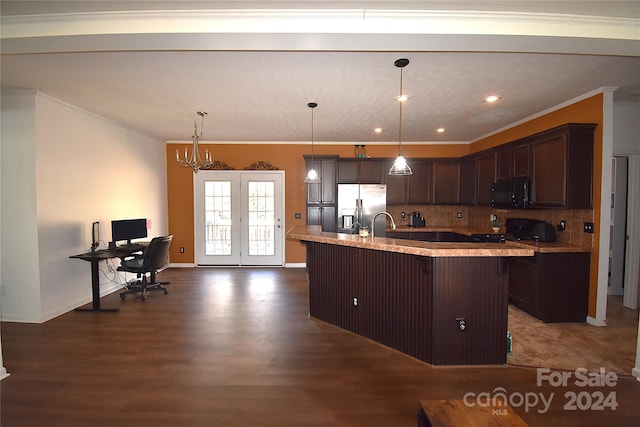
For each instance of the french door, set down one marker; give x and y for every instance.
(238, 217)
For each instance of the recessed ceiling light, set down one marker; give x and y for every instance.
(402, 98)
(440, 130)
(492, 98)
(378, 130)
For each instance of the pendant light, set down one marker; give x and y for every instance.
(400, 166)
(312, 176)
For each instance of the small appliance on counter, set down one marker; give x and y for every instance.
(416, 219)
(530, 229)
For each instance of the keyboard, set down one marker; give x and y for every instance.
(131, 247)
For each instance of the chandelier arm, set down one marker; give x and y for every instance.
(194, 161)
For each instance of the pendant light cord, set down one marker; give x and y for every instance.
(400, 120)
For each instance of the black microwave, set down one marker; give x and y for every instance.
(512, 193)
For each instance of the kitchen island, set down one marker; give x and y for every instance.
(442, 302)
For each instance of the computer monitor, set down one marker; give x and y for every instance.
(128, 229)
(95, 235)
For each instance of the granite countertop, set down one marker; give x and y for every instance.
(542, 247)
(414, 247)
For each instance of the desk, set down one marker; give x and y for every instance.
(94, 258)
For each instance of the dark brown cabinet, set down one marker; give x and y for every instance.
(562, 167)
(485, 177)
(503, 164)
(549, 172)
(553, 287)
(324, 216)
(559, 163)
(416, 189)
(360, 171)
(468, 181)
(434, 181)
(446, 182)
(520, 164)
(420, 184)
(396, 186)
(322, 196)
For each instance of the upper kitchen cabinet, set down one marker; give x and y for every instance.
(367, 171)
(520, 161)
(503, 164)
(446, 182)
(420, 184)
(468, 181)
(562, 167)
(396, 185)
(485, 177)
(416, 189)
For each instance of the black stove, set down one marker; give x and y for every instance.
(492, 237)
(519, 229)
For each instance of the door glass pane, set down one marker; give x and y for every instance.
(261, 218)
(217, 217)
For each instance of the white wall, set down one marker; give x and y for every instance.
(626, 142)
(81, 168)
(626, 128)
(20, 269)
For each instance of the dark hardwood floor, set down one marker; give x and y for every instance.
(236, 347)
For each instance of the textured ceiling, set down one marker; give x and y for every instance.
(261, 95)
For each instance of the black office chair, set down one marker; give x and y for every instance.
(155, 257)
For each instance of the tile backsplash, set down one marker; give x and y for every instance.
(435, 216)
(478, 217)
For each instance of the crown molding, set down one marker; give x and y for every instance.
(301, 21)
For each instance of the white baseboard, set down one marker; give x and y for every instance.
(636, 372)
(295, 265)
(181, 264)
(596, 322)
(3, 373)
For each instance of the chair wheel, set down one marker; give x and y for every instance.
(166, 291)
(143, 297)
(122, 296)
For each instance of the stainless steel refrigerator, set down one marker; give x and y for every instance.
(358, 203)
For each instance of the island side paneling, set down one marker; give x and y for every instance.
(410, 302)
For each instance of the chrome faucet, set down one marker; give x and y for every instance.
(373, 222)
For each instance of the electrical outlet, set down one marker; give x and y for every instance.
(588, 227)
(459, 215)
(562, 226)
(403, 214)
(355, 301)
(298, 215)
(462, 324)
(181, 249)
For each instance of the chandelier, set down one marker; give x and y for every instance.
(312, 176)
(194, 161)
(400, 166)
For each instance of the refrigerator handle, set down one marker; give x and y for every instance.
(359, 210)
